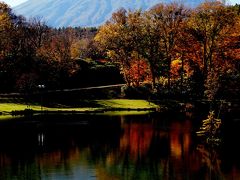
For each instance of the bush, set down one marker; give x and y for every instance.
(141, 92)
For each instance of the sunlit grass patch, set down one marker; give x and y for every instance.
(8, 117)
(8, 107)
(81, 109)
(109, 107)
(124, 113)
(126, 103)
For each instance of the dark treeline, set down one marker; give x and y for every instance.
(168, 50)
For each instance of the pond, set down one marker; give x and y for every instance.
(89, 147)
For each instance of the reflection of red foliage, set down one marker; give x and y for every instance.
(180, 138)
(55, 158)
(4, 160)
(137, 139)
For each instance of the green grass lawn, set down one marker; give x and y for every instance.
(101, 105)
(126, 104)
(9, 107)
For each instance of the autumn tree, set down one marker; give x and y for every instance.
(121, 37)
(163, 33)
(151, 36)
(6, 29)
(229, 66)
(209, 26)
(12, 44)
(55, 55)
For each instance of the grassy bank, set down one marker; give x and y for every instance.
(126, 104)
(91, 106)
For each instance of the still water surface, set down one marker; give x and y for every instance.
(135, 147)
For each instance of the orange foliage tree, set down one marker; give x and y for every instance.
(206, 34)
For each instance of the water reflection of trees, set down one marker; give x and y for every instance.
(210, 159)
(145, 151)
(148, 151)
(180, 138)
(140, 150)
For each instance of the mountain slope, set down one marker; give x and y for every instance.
(85, 13)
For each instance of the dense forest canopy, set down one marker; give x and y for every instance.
(168, 49)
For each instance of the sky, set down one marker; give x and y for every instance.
(13, 3)
(233, 2)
